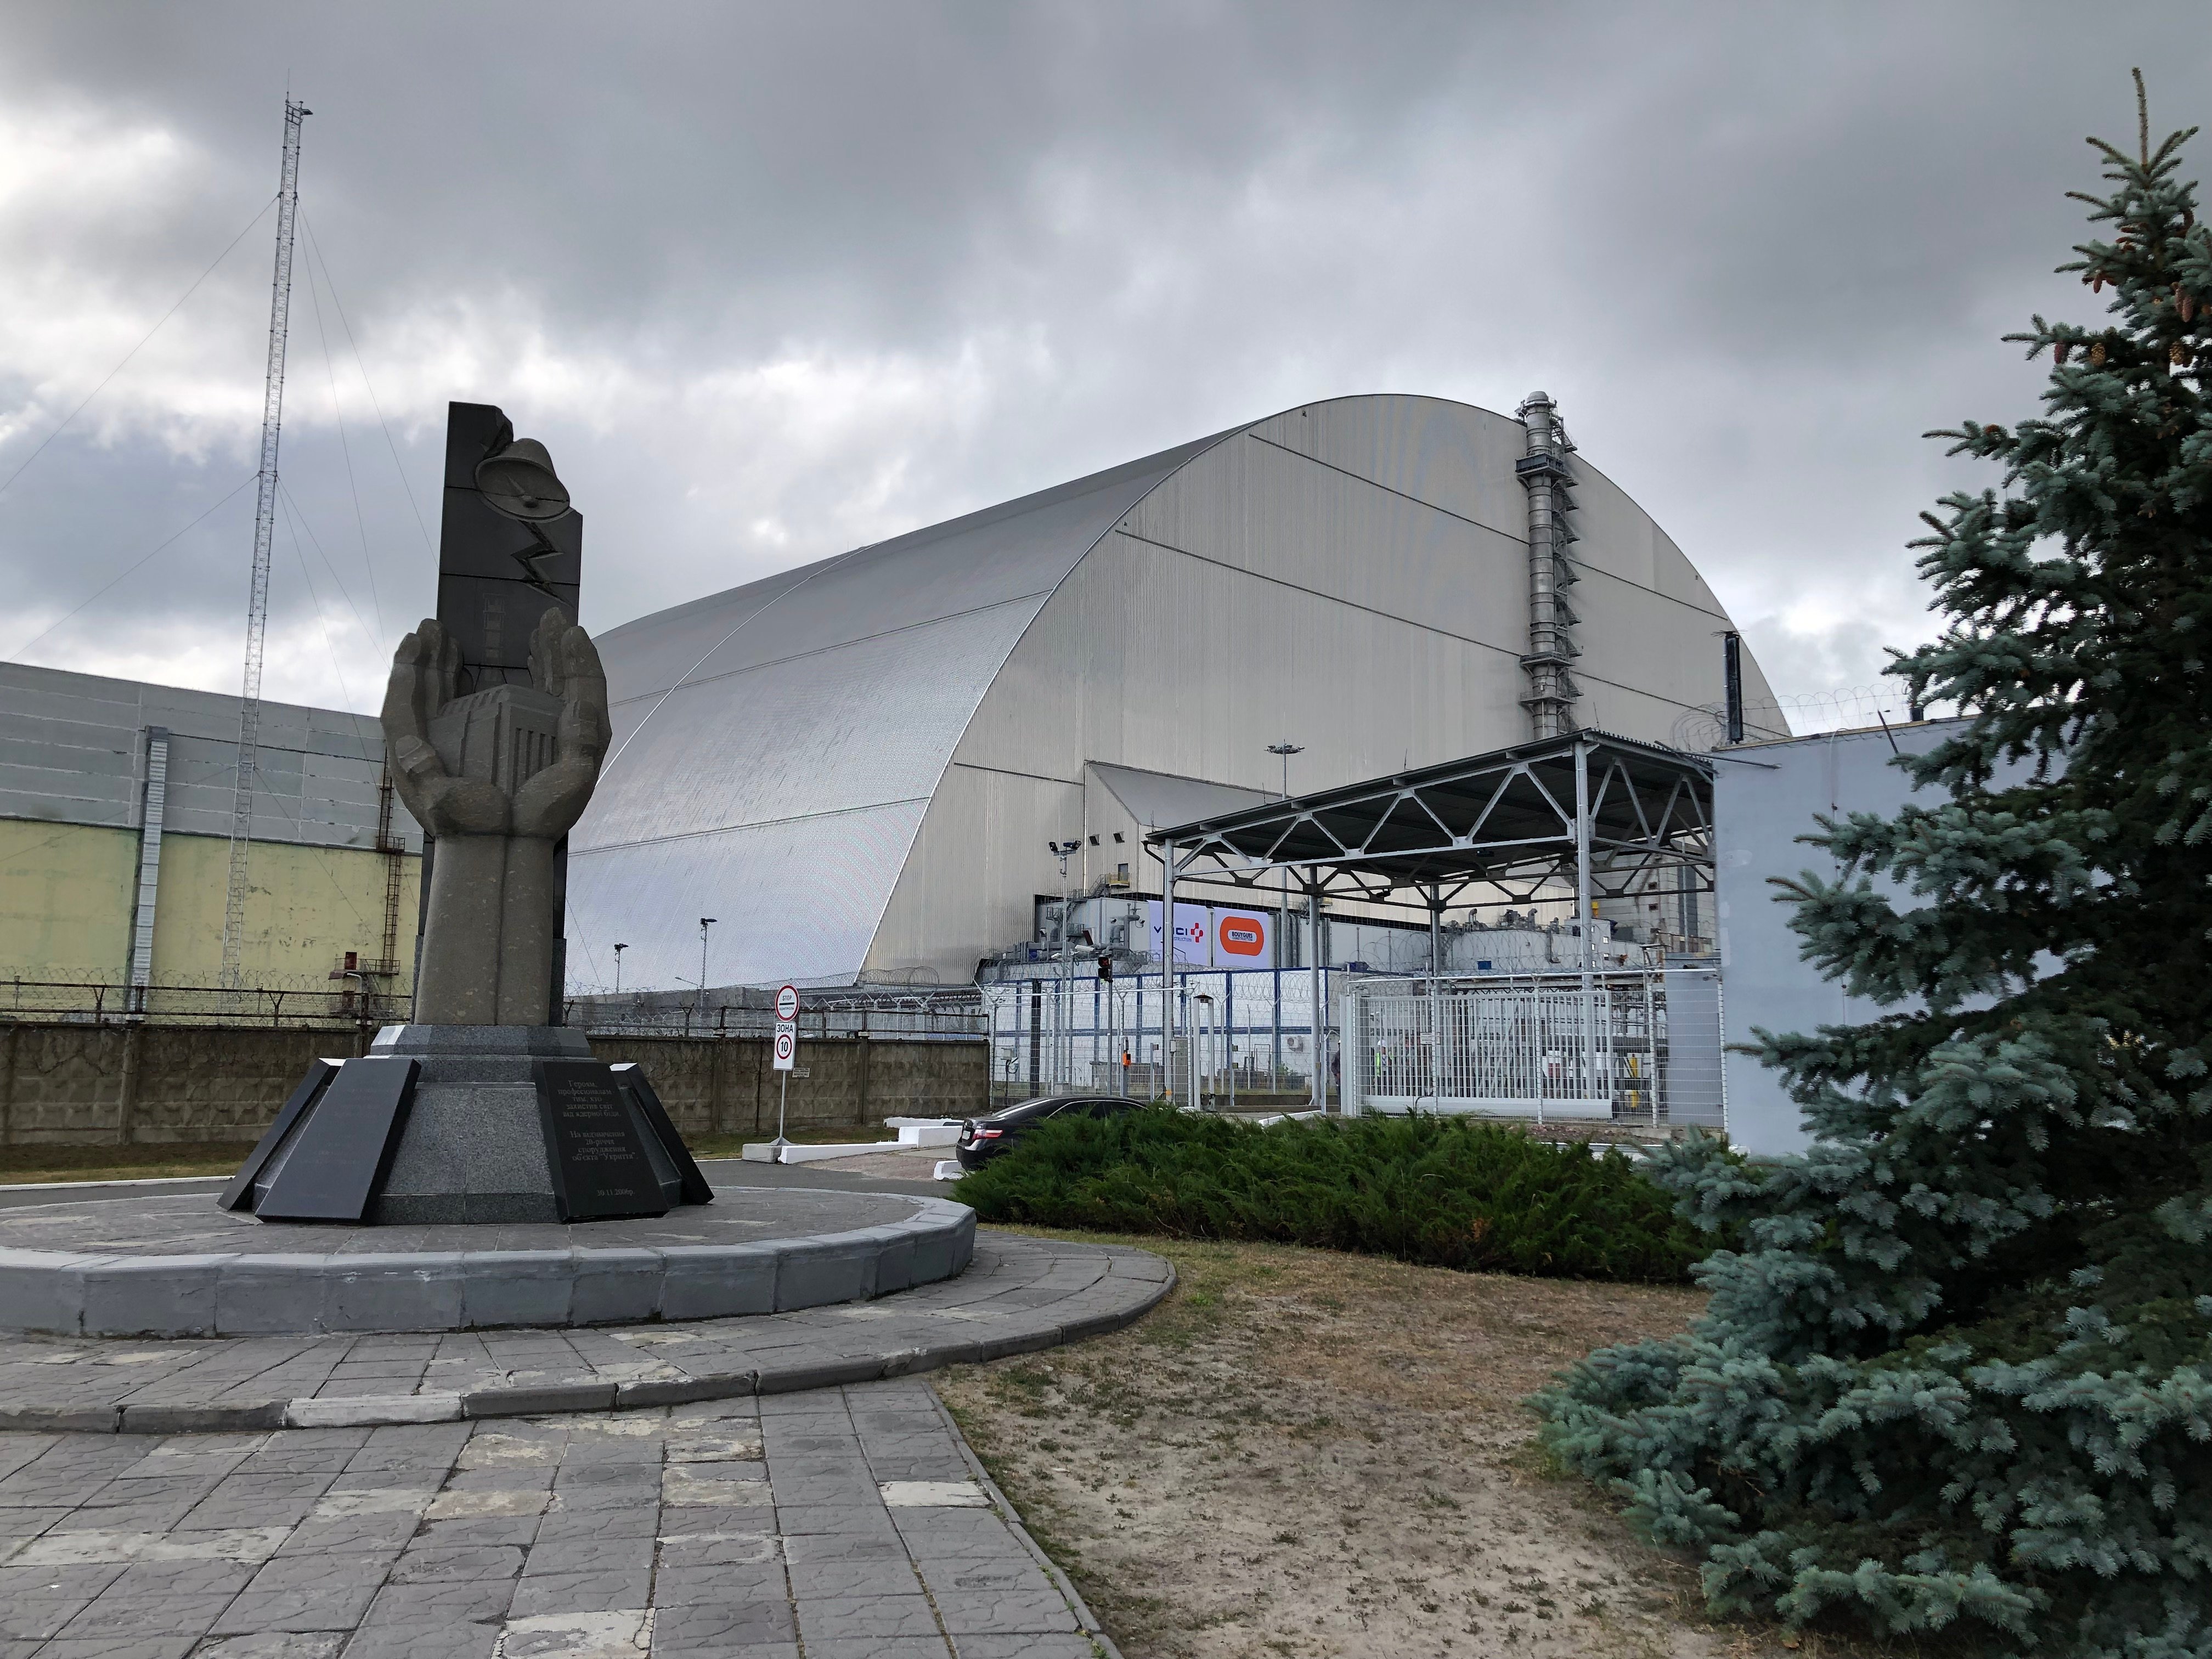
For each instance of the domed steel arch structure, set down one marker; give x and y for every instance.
(858, 764)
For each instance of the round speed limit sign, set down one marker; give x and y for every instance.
(787, 1003)
(786, 1047)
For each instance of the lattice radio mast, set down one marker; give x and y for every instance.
(264, 528)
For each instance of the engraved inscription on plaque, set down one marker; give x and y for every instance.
(600, 1169)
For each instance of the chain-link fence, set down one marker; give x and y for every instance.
(1635, 1049)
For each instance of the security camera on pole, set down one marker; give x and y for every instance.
(787, 1055)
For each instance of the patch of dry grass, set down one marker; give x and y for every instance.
(1303, 1453)
(114, 1163)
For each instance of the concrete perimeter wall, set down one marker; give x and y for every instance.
(148, 1085)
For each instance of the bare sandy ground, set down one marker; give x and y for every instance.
(1306, 1453)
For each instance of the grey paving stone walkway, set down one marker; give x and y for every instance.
(1017, 1294)
(853, 1520)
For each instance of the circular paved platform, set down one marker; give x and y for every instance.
(1019, 1294)
(173, 1265)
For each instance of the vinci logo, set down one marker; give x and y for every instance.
(1240, 936)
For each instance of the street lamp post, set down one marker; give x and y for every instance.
(619, 949)
(705, 922)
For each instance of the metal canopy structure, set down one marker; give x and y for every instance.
(1586, 810)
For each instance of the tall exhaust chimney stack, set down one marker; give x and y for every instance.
(1543, 473)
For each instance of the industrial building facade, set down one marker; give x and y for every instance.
(115, 817)
(858, 767)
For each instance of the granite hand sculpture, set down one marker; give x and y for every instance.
(496, 778)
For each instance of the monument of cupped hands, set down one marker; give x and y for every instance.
(477, 1167)
(497, 777)
(482, 1109)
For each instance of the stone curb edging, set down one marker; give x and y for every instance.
(83, 1293)
(1084, 1617)
(549, 1400)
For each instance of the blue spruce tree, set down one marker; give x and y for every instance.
(1956, 1368)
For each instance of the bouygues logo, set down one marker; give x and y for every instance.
(1240, 936)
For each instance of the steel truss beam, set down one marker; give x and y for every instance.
(1505, 821)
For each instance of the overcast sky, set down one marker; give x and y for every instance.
(774, 281)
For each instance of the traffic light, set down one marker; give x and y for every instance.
(1106, 967)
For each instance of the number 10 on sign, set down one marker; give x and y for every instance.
(787, 1028)
(787, 1054)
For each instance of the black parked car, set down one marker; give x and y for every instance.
(983, 1139)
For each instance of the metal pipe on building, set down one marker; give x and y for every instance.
(1732, 685)
(1543, 474)
(150, 864)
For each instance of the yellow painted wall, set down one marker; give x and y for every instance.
(306, 907)
(66, 893)
(65, 901)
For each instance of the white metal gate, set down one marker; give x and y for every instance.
(1640, 1047)
(1237, 1033)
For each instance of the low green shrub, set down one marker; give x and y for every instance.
(1440, 1191)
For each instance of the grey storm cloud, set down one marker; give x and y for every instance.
(774, 281)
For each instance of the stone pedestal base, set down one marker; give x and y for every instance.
(468, 1125)
(169, 1264)
(473, 1149)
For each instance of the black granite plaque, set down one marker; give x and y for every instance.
(693, 1187)
(236, 1197)
(600, 1169)
(339, 1159)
